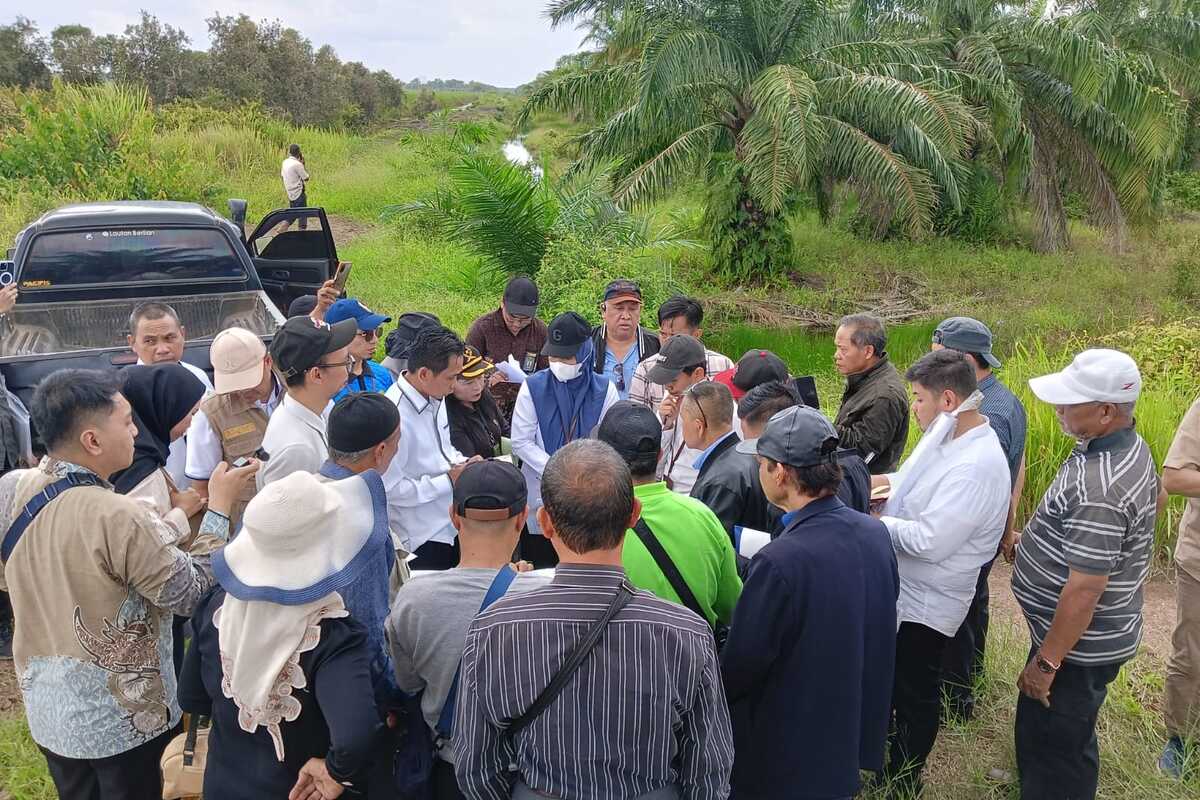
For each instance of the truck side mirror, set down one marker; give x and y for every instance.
(237, 215)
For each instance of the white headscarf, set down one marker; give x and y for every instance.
(934, 437)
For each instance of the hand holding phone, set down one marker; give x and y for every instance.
(341, 277)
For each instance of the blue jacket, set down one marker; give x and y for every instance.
(809, 663)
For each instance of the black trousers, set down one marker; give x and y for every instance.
(132, 775)
(962, 664)
(1058, 756)
(916, 702)
(435, 555)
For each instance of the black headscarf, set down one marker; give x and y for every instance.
(161, 396)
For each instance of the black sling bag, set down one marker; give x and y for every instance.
(668, 567)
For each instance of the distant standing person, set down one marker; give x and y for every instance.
(1081, 565)
(295, 180)
(873, 416)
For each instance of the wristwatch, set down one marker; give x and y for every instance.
(1045, 665)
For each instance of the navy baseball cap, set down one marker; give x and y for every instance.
(490, 490)
(352, 308)
(567, 332)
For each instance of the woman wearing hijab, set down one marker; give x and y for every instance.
(164, 397)
(556, 406)
(276, 661)
(475, 422)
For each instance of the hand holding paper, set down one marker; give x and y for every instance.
(511, 370)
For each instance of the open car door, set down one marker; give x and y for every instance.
(293, 252)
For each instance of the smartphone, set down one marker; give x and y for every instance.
(244, 461)
(341, 276)
(7, 273)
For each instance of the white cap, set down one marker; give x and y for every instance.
(237, 359)
(1095, 376)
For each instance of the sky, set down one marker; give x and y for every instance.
(501, 42)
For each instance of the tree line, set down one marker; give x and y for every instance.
(247, 61)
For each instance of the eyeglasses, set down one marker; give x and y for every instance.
(370, 336)
(619, 374)
(348, 364)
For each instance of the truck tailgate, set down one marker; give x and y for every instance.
(47, 330)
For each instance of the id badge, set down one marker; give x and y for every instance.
(530, 363)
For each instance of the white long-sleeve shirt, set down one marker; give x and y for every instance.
(946, 525)
(527, 444)
(419, 489)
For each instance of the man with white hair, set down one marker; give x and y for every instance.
(1080, 567)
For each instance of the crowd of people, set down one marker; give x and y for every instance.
(558, 560)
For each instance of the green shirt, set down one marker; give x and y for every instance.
(695, 540)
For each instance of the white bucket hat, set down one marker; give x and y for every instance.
(302, 539)
(1095, 376)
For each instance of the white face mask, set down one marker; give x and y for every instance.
(565, 372)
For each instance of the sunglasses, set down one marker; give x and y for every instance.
(695, 398)
(619, 374)
(370, 336)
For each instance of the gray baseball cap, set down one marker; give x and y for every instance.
(798, 436)
(679, 353)
(966, 335)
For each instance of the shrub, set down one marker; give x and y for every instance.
(1182, 191)
(575, 270)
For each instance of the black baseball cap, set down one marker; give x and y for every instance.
(623, 289)
(566, 333)
(490, 490)
(631, 429)
(400, 339)
(798, 436)
(757, 367)
(302, 342)
(361, 420)
(679, 353)
(521, 297)
(966, 335)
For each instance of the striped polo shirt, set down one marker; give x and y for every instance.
(1097, 518)
(1006, 415)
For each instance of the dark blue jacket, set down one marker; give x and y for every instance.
(811, 651)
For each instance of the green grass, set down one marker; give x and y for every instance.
(23, 772)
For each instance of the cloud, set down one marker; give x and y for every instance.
(497, 42)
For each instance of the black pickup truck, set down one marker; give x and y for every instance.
(82, 269)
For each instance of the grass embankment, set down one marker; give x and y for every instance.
(1041, 307)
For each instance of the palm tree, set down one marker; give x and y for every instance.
(783, 97)
(508, 217)
(1067, 108)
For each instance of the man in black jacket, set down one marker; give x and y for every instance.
(728, 481)
(873, 417)
(621, 342)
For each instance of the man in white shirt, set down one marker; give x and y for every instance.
(295, 176)
(157, 336)
(680, 366)
(946, 514)
(314, 360)
(420, 480)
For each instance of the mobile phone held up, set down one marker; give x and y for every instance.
(244, 461)
(341, 277)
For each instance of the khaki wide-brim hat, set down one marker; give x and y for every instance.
(237, 359)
